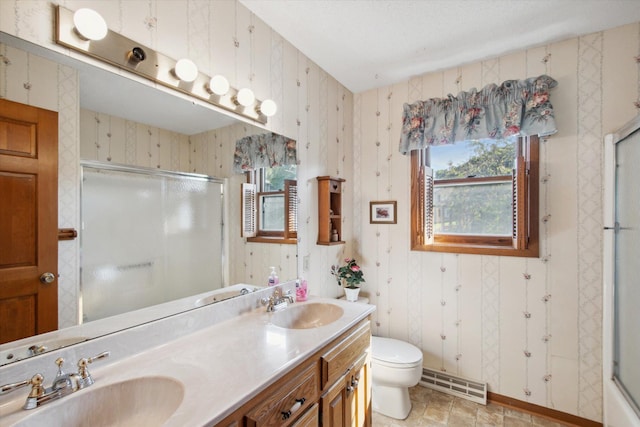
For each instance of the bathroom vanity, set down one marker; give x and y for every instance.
(330, 388)
(305, 365)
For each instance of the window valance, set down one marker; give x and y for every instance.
(264, 151)
(516, 107)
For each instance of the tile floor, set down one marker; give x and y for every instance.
(434, 409)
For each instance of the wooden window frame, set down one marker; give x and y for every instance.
(253, 233)
(524, 241)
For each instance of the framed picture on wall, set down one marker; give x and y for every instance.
(382, 212)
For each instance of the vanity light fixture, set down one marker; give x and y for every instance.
(74, 29)
(219, 85)
(186, 70)
(268, 107)
(136, 55)
(90, 24)
(245, 97)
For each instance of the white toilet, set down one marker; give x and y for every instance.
(395, 366)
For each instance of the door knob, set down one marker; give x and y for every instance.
(47, 278)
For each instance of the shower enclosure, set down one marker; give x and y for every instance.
(148, 237)
(621, 277)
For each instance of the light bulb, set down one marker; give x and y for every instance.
(219, 85)
(268, 107)
(89, 24)
(245, 97)
(186, 70)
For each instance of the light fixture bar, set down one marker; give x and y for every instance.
(124, 53)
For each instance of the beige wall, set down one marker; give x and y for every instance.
(313, 108)
(466, 312)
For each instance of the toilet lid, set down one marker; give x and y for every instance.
(394, 351)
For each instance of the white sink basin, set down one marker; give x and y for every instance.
(307, 316)
(146, 401)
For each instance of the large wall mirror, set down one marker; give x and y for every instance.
(108, 93)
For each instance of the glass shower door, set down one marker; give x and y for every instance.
(148, 237)
(626, 365)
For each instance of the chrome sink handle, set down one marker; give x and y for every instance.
(289, 297)
(37, 391)
(8, 388)
(59, 363)
(277, 301)
(85, 376)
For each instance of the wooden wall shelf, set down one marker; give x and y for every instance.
(329, 210)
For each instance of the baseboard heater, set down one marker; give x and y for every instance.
(457, 386)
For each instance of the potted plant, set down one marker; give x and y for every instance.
(349, 276)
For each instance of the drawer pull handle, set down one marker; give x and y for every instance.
(354, 382)
(286, 415)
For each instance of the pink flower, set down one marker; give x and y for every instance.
(355, 268)
(348, 260)
(540, 98)
(511, 130)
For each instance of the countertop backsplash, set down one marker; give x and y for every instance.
(131, 341)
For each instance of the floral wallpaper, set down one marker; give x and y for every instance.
(530, 328)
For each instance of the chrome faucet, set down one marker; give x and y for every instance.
(277, 301)
(62, 385)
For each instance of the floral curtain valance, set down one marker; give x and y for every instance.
(264, 151)
(516, 107)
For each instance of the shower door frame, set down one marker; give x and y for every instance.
(618, 410)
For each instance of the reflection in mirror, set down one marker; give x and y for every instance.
(184, 135)
(147, 237)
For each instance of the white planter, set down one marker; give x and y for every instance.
(351, 294)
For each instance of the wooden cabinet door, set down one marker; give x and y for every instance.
(28, 220)
(334, 405)
(358, 403)
(348, 401)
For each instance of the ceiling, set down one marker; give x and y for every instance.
(366, 44)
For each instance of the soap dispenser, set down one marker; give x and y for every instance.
(301, 290)
(273, 277)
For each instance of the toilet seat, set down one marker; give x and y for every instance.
(395, 353)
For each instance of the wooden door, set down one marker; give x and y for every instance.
(28, 220)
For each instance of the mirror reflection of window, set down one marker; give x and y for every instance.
(271, 212)
(270, 208)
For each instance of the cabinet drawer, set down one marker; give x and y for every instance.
(311, 418)
(283, 407)
(342, 356)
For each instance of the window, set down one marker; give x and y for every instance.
(269, 205)
(478, 197)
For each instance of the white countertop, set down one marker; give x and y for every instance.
(221, 366)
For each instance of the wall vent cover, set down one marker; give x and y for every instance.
(457, 386)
